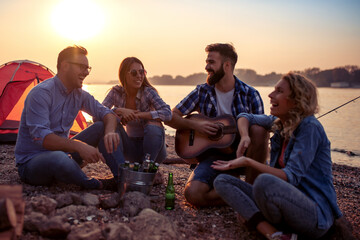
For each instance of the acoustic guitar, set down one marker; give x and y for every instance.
(190, 143)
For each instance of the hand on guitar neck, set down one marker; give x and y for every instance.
(218, 132)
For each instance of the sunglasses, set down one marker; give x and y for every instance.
(134, 72)
(82, 67)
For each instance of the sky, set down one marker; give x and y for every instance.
(170, 37)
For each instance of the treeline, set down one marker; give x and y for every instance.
(347, 76)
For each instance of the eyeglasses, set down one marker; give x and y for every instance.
(83, 67)
(134, 72)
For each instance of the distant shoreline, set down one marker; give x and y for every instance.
(339, 77)
(162, 84)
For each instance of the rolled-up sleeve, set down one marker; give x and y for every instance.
(263, 120)
(162, 110)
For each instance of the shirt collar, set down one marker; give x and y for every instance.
(60, 85)
(121, 90)
(238, 86)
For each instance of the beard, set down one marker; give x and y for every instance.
(216, 77)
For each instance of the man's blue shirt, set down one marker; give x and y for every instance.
(50, 108)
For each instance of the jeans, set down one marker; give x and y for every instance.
(205, 173)
(281, 203)
(50, 166)
(134, 148)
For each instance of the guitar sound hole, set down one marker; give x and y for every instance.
(219, 134)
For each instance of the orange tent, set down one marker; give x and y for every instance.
(17, 78)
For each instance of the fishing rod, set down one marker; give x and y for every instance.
(352, 100)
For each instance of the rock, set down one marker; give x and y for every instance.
(55, 227)
(134, 202)
(43, 204)
(63, 200)
(86, 231)
(76, 198)
(78, 212)
(90, 199)
(33, 221)
(153, 226)
(110, 201)
(118, 231)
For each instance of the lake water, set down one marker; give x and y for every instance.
(342, 126)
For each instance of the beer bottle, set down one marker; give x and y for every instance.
(146, 165)
(127, 165)
(136, 166)
(147, 156)
(170, 193)
(151, 166)
(155, 168)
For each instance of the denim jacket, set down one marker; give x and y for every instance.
(307, 162)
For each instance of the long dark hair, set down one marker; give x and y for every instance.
(124, 69)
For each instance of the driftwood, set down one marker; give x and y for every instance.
(13, 194)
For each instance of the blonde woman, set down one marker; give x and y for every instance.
(295, 193)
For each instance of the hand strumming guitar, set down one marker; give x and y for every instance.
(205, 127)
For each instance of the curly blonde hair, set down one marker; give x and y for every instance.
(304, 95)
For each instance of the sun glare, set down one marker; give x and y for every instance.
(78, 19)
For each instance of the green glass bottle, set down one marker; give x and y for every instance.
(155, 168)
(170, 193)
(127, 165)
(136, 167)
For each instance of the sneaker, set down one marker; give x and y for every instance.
(283, 236)
(109, 184)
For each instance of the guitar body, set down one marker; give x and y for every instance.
(190, 143)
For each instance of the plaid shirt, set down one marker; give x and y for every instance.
(147, 100)
(203, 100)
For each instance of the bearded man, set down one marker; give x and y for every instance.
(223, 94)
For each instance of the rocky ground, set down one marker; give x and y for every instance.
(184, 222)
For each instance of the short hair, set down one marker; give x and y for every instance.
(226, 50)
(69, 52)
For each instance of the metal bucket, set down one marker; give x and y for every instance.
(135, 181)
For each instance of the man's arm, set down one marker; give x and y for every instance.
(88, 153)
(243, 127)
(111, 137)
(202, 126)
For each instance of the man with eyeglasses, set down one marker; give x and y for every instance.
(223, 94)
(44, 153)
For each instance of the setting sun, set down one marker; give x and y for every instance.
(77, 19)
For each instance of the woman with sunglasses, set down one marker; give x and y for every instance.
(296, 192)
(140, 108)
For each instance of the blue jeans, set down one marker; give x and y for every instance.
(134, 149)
(205, 173)
(50, 166)
(281, 203)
